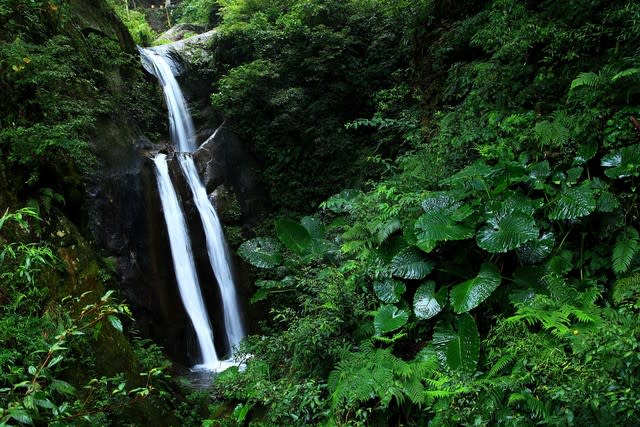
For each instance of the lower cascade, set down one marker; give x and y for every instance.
(182, 135)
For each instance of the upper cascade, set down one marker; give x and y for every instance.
(160, 64)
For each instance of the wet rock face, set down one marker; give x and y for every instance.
(180, 31)
(224, 160)
(125, 219)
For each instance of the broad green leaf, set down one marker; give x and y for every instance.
(561, 263)
(441, 221)
(409, 263)
(574, 203)
(463, 351)
(20, 415)
(471, 293)
(507, 230)
(343, 202)
(473, 174)
(539, 171)
(607, 202)
(538, 174)
(460, 349)
(436, 226)
(574, 174)
(294, 236)
(622, 163)
(314, 227)
(538, 249)
(62, 387)
(388, 318)
(389, 290)
(55, 361)
(115, 322)
(426, 303)
(261, 252)
(45, 403)
(321, 247)
(585, 153)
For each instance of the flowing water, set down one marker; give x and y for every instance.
(218, 252)
(182, 135)
(183, 264)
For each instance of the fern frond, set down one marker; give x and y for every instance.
(629, 72)
(626, 288)
(590, 80)
(500, 364)
(625, 250)
(553, 134)
(532, 403)
(440, 394)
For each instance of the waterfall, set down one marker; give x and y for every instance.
(182, 135)
(218, 253)
(183, 263)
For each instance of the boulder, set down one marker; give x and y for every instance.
(181, 31)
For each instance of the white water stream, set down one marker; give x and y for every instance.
(183, 264)
(218, 253)
(182, 135)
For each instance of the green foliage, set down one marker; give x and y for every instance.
(389, 318)
(261, 252)
(21, 263)
(376, 374)
(135, 21)
(574, 203)
(442, 221)
(471, 293)
(33, 392)
(294, 73)
(389, 290)
(507, 230)
(410, 264)
(56, 84)
(460, 349)
(510, 219)
(625, 250)
(203, 12)
(623, 163)
(426, 302)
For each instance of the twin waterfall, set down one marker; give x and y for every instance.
(183, 138)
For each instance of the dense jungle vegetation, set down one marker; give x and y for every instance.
(452, 236)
